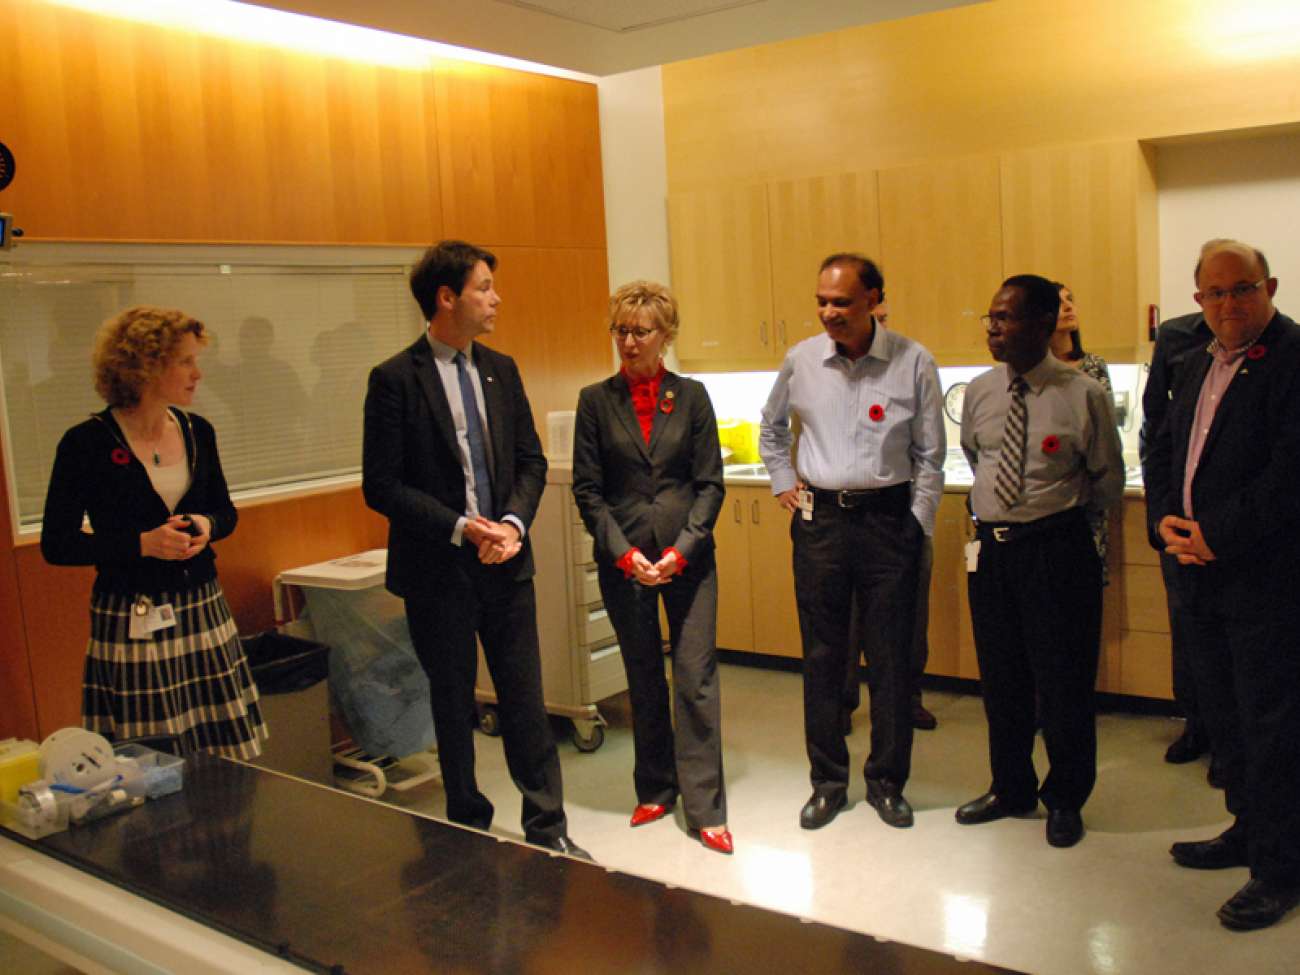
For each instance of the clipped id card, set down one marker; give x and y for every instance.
(146, 618)
(804, 499)
(972, 555)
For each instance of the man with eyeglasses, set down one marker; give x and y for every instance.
(1041, 439)
(1221, 477)
(865, 493)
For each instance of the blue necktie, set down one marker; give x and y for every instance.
(474, 434)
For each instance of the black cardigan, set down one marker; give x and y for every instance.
(95, 475)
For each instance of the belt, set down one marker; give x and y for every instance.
(892, 498)
(1015, 531)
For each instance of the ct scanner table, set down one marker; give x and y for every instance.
(337, 883)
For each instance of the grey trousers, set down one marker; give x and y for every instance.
(687, 761)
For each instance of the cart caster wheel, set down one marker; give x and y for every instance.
(489, 722)
(589, 739)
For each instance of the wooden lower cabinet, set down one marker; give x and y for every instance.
(756, 608)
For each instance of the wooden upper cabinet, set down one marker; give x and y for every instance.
(941, 249)
(520, 157)
(810, 219)
(722, 278)
(1084, 215)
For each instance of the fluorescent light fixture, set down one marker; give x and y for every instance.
(1256, 30)
(252, 24)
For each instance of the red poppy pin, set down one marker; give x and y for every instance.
(877, 412)
(1256, 352)
(1051, 444)
(667, 405)
(120, 456)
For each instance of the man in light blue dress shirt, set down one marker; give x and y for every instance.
(864, 494)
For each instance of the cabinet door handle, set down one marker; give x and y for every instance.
(753, 511)
(762, 332)
(781, 330)
(738, 519)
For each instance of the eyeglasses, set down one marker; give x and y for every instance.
(1241, 292)
(639, 332)
(1001, 318)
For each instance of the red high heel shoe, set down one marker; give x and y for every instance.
(718, 840)
(648, 812)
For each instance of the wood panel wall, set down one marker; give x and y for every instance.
(127, 131)
(976, 79)
(131, 132)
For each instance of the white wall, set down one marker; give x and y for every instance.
(1247, 188)
(636, 178)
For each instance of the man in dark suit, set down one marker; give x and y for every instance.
(452, 459)
(1178, 340)
(1221, 499)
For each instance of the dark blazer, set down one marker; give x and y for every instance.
(1244, 493)
(1177, 340)
(411, 467)
(651, 497)
(96, 475)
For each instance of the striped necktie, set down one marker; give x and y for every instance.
(1010, 475)
(477, 442)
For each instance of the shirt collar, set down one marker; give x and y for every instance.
(444, 352)
(1040, 375)
(881, 348)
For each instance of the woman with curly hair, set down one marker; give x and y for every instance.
(138, 492)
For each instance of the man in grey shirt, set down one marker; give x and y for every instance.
(1041, 439)
(864, 494)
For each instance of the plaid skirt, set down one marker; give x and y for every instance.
(188, 682)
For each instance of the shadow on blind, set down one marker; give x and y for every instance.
(293, 335)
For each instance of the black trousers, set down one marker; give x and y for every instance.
(474, 599)
(1247, 674)
(1180, 642)
(1036, 613)
(920, 635)
(690, 761)
(843, 557)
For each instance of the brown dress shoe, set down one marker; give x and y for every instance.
(992, 806)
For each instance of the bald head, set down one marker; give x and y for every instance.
(1221, 244)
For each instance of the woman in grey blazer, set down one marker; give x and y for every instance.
(647, 477)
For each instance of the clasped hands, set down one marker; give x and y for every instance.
(1184, 541)
(654, 573)
(496, 541)
(173, 542)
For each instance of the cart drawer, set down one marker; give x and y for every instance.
(605, 674)
(582, 546)
(594, 625)
(587, 585)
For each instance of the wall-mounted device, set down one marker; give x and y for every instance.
(9, 234)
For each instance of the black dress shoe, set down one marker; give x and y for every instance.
(991, 806)
(1257, 905)
(922, 718)
(1219, 853)
(1064, 827)
(1216, 776)
(562, 844)
(1187, 747)
(821, 809)
(888, 801)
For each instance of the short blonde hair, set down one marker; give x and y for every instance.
(647, 298)
(132, 349)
